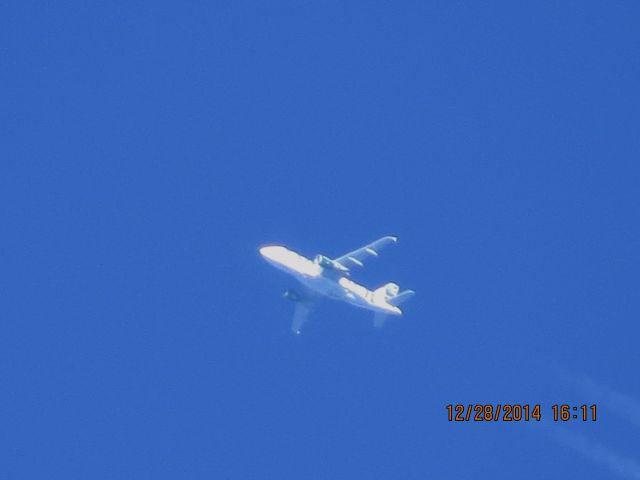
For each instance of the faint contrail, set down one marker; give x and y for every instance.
(596, 452)
(622, 404)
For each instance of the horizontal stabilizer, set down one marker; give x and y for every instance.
(300, 315)
(401, 297)
(379, 318)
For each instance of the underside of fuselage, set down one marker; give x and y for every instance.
(322, 285)
(341, 288)
(325, 281)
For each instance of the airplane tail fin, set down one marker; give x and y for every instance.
(387, 291)
(392, 294)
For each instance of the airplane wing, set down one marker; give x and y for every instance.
(300, 315)
(304, 300)
(357, 256)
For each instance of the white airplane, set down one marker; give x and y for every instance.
(324, 277)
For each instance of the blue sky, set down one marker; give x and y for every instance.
(151, 147)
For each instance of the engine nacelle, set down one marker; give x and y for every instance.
(329, 264)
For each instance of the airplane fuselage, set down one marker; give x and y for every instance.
(325, 281)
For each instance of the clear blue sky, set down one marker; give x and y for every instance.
(149, 148)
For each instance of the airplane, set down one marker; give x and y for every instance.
(326, 277)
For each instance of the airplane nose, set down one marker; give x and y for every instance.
(276, 255)
(267, 252)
